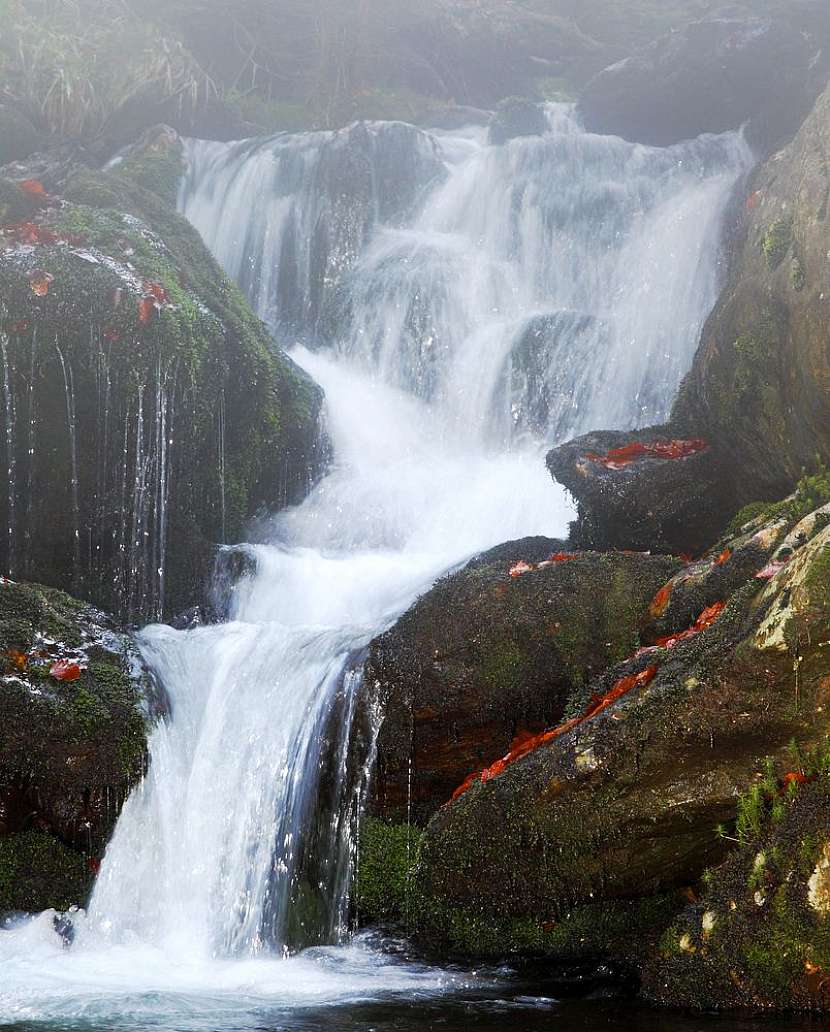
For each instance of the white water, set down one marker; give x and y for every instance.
(193, 911)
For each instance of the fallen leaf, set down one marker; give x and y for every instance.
(146, 310)
(40, 281)
(520, 568)
(65, 670)
(619, 458)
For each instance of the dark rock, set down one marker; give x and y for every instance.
(758, 386)
(72, 742)
(151, 414)
(484, 656)
(455, 116)
(517, 116)
(675, 505)
(18, 137)
(708, 77)
(530, 549)
(623, 806)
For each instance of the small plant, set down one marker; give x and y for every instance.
(776, 242)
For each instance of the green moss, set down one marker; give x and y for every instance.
(388, 855)
(798, 277)
(776, 242)
(39, 873)
(158, 170)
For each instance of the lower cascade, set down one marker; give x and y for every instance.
(504, 298)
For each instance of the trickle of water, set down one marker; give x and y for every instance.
(11, 459)
(69, 388)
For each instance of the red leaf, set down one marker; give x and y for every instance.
(724, 557)
(33, 187)
(65, 670)
(146, 310)
(94, 864)
(40, 281)
(771, 569)
(703, 623)
(660, 602)
(156, 291)
(619, 458)
(520, 568)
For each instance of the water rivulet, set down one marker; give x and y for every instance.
(462, 306)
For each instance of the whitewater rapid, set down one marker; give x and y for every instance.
(611, 252)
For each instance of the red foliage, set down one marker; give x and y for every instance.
(724, 557)
(660, 602)
(619, 458)
(156, 291)
(94, 864)
(65, 670)
(34, 188)
(796, 777)
(40, 281)
(520, 568)
(703, 623)
(771, 569)
(525, 742)
(29, 233)
(146, 310)
(19, 659)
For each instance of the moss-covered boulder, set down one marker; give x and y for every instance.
(759, 935)
(147, 414)
(72, 742)
(621, 803)
(486, 656)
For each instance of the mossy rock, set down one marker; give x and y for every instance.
(154, 415)
(37, 872)
(484, 656)
(73, 729)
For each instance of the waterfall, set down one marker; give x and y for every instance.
(463, 306)
(11, 460)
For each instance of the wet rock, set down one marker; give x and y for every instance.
(72, 741)
(485, 656)
(621, 804)
(631, 496)
(711, 76)
(150, 414)
(517, 116)
(766, 948)
(758, 384)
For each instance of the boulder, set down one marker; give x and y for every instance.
(757, 936)
(643, 490)
(492, 652)
(711, 76)
(73, 700)
(617, 809)
(147, 413)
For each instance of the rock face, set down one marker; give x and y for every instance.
(485, 656)
(146, 413)
(72, 742)
(708, 77)
(759, 384)
(609, 814)
(514, 117)
(758, 937)
(757, 394)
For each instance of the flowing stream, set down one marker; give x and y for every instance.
(463, 306)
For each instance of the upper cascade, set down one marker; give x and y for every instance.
(543, 286)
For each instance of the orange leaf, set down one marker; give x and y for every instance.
(660, 602)
(157, 292)
(33, 187)
(20, 659)
(65, 670)
(146, 310)
(40, 281)
(619, 458)
(724, 557)
(520, 568)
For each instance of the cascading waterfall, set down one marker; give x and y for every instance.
(463, 306)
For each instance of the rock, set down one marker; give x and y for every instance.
(621, 805)
(710, 76)
(150, 414)
(72, 742)
(758, 383)
(18, 137)
(767, 947)
(517, 116)
(643, 490)
(455, 116)
(485, 656)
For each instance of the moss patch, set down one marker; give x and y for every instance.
(39, 873)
